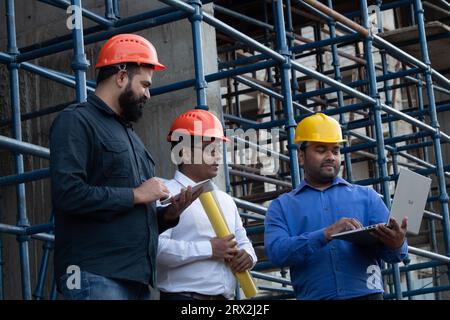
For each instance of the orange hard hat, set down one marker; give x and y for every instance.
(197, 122)
(127, 47)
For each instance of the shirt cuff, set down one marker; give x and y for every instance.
(317, 239)
(164, 223)
(205, 248)
(403, 250)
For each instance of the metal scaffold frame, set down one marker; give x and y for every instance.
(277, 53)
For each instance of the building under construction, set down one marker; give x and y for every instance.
(379, 67)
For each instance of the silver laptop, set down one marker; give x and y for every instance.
(410, 199)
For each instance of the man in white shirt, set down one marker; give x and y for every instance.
(192, 263)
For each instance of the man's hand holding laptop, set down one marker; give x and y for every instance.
(343, 224)
(392, 235)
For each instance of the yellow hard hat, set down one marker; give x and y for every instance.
(319, 128)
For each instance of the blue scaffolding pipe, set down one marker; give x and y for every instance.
(91, 38)
(417, 266)
(267, 265)
(420, 291)
(259, 87)
(351, 125)
(281, 58)
(240, 61)
(260, 148)
(378, 41)
(389, 148)
(23, 147)
(435, 87)
(5, 58)
(388, 118)
(268, 91)
(432, 215)
(23, 231)
(22, 220)
(264, 276)
(79, 61)
(62, 4)
(109, 11)
(428, 254)
(276, 289)
(383, 7)
(358, 83)
(398, 53)
(52, 75)
(242, 17)
(326, 42)
(212, 77)
(443, 196)
(252, 216)
(147, 16)
(340, 96)
(377, 107)
(256, 177)
(331, 82)
(250, 206)
(405, 137)
(415, 146)
(200, 82)
(402, 116)
(220, 25)
(43, 269)
(25, 177)
(227, 29)
(2, 261)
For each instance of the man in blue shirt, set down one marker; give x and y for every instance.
(299, 224)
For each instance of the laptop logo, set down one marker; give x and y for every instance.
(410, 202)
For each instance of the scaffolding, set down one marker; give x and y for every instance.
(362, 94)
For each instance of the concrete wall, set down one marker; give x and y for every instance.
(37, 22)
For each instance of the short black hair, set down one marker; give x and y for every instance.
(108, 71)
(303, 145)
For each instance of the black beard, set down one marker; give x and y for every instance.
(131, 105)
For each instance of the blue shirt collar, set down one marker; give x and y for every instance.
(336, 181)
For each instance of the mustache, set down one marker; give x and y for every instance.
(328, 163)
(142, 100)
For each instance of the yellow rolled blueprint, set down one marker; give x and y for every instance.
(221, 229)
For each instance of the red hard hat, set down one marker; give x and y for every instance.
(197, 122)
(126, 47)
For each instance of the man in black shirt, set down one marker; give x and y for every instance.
(103, 184)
